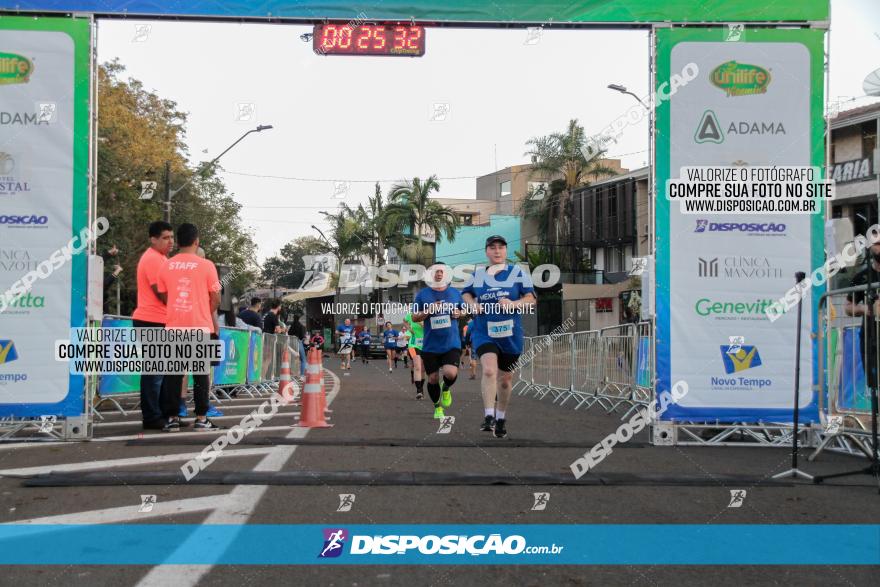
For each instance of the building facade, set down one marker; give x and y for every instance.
(855, 159)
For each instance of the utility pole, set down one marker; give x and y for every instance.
(168, 192)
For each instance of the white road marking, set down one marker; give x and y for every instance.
(236, 510)
(130, 513)
(179, 434)
(217, 418)
(132, 462)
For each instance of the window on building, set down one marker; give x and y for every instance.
(406, 298)
(505, 188)
(579, 311)
(466, 219)
(614, 260)
(869, 139)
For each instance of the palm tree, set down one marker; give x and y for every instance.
(561, 154)
(411, 209)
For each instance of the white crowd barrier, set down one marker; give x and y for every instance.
(612, 368)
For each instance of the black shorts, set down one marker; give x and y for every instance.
(433, 361)
(506, 361)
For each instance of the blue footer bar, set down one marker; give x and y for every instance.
(636, 544)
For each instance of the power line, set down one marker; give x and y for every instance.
(328, 180)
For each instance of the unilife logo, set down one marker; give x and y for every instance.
(334, 542)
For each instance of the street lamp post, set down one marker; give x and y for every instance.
(623, 90)
(651, 187)
(168, 191)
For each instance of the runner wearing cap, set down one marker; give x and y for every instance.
(438, 307)
(498, 294)
(417, 372)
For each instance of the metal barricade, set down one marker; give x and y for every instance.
(844, 398)
(611, 367)
(586, 368)
(618, 365)
(559, 380)
(541, 366)
(524, 368)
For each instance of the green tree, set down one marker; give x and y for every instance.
(287, 268)
(137, 132)
(411, 212)
(560, 155)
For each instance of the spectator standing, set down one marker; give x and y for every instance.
(150, 313)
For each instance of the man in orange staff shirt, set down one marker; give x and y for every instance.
(150, 313)
(191, 290)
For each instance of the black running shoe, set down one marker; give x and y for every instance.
(419, 395)
(206, 425)
(500, 428)
(171, 426)
(488, 424)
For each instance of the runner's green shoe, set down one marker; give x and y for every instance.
(445, 395)
(438, 413)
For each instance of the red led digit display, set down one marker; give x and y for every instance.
(369, 39)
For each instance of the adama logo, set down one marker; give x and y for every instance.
(740, 79)
(14, 69)
(334, 542)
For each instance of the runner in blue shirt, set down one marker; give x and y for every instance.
(364, 340)
(389, 338)
(499, 294)
(439, 307)
(343, 331)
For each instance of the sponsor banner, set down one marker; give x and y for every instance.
(255, 357)
(44, 121)
(756, 107)
(233, 369)
(113, 383)
(423, 544)
(457, 10)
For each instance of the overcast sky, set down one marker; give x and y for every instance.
(363, 119)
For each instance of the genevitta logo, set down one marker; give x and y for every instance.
(728, 310)
(334, 542)
(751, 228)
(24, 221)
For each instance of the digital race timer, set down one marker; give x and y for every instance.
(369, 39)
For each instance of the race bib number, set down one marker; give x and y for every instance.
(501, 329)
(438, 322)
(418, 341)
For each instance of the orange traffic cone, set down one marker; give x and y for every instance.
(312, 413)
(285, 386)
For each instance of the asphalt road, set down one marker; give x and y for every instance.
(379, 428)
